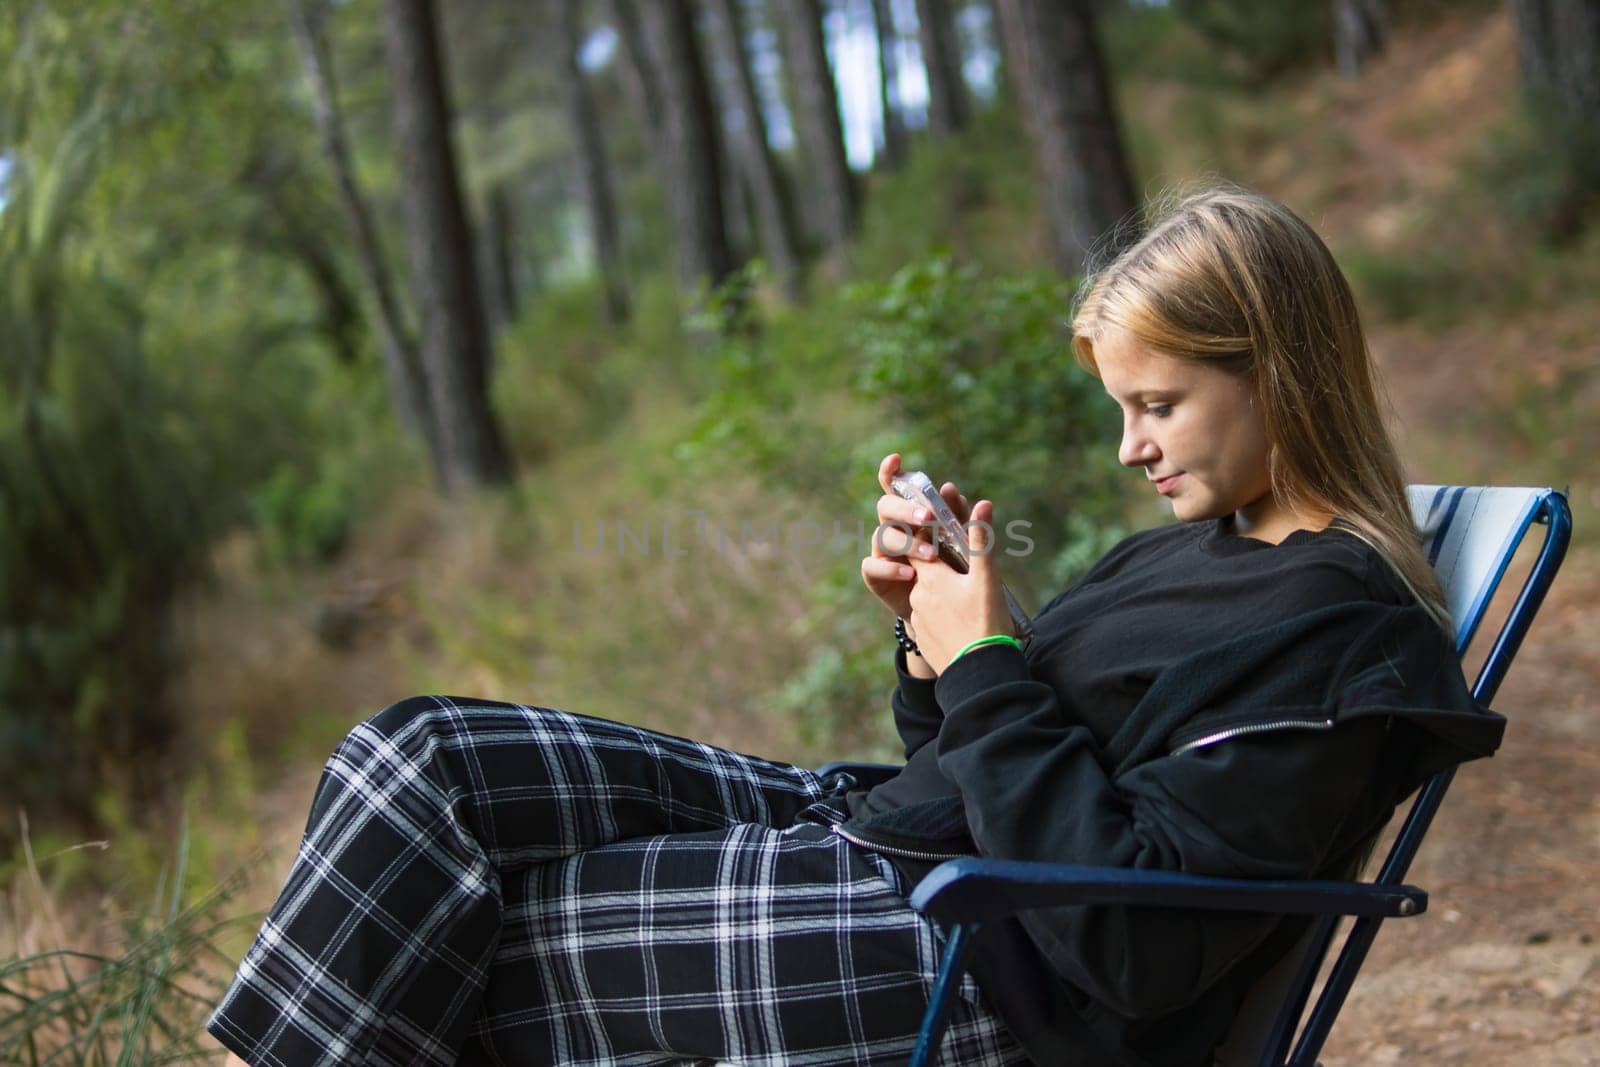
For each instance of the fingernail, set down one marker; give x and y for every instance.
(907, 572)
(925, 551)
(923, 514)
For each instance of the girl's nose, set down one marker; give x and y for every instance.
(1137, 449)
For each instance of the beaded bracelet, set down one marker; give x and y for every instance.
(903, 638)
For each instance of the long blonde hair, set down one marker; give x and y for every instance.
(1234, 278)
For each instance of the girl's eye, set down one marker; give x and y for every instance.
(1160, 411)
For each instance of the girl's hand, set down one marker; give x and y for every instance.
(901, 534)
(949, 609)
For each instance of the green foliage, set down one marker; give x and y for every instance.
(350, 457)
(560, 379)
(979, 373)
(164, 357)
(768, 383)
(1543, 168)
(969, 376)
(1216, 44)
(838, 699)
(1429, 287)
(1255, 41)
(973, 193)
(144, 1004)
(102, 487)
(1155, 41)
(1550, 415)
(303, 520)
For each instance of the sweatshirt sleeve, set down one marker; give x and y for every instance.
(916, 708)
(1034, 788)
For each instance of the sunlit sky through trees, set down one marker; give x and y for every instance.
(853, 50)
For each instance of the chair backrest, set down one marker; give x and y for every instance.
(1469, 535)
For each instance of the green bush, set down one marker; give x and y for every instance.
(105, 514)
(558, 380)
(300, 519)
(1432, 288)
(348, 457)
(1216, 44)
(1256, 41)
(1155, 41)
(1543, 169)
(154, 374)
(125, 450)
(969, 376)
(973, 193)
(769, 381)
(979, 373)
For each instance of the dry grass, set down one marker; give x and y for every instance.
(138, 995)
(506, 599)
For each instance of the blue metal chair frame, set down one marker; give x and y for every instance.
(963, 893)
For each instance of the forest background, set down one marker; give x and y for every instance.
(545, 351)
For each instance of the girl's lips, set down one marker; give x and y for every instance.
(1164, 485)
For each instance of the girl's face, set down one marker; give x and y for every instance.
(1195, 430)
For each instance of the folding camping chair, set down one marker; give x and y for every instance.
(1470, 536)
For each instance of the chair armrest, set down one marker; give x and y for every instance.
(972, 890)
(866, 775)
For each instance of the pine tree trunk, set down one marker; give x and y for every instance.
(689, 142)
(1360, 28)
(455, 335)
(1002, 68)
(894, 127)
(736, 220)
(941, 58)
(402, 363)
(1558, 49)
(501, 255)
(832, 199)
(748, 134)
(1061, 80)
(639, 79)
(589, 155)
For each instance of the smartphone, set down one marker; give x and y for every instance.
(950, 538)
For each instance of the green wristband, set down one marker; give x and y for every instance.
(993, 639)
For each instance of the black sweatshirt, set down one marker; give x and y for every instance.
(1198, 702)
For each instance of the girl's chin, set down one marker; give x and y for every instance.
(1192, 511)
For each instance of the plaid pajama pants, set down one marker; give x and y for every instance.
(490, 883)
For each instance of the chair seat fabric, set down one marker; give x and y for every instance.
(1469, 534)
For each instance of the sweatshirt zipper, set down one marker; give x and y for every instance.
(1253, 728)
(892, 850)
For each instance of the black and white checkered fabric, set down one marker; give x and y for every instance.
(491, 883)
